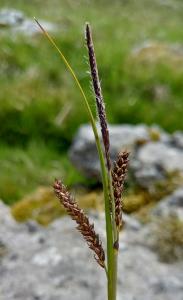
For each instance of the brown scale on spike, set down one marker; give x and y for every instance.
(118, 177)
(84, 226)
(98, 95)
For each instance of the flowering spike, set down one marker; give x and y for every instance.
(98, 95)
(118, 176)
(83, 224)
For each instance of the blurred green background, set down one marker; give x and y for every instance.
(140, 53)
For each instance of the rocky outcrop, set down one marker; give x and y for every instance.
(155, 161)
(53, 263)
(83, 151)
(17, 22)
(171, 206)
(156, 157)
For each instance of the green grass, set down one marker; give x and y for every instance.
(39, 100)
(23, 170)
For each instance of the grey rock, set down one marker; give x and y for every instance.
(151, 161)
(171, 205)
(148, 175)
(131, 223)
(11, 17)
(31, 226)
(18, 23)
(64, 268)
(29, 27)
(177, 139)
(48, 257)
(6, 220)
(163, 156)
(83, 152)
(155, 161)
(3, 249)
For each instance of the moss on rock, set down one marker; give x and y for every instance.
(43, 206)
(169, 239)
(135, 201)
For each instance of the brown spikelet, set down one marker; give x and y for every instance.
(118, 176)
(98, 95)
(84, 226)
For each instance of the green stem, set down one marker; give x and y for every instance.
(112, 276)
(115, 232)
(111, 270)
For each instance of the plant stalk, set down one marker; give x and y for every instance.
(112, 258)
(111, 270)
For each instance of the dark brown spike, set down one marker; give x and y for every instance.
(98, 95)
(83, 224)
(118, 176)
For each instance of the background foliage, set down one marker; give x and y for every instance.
(41, 107)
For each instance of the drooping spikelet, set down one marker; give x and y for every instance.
(118, 176)
(84, 226)
(98, 95)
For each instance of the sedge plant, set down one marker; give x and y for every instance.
(113, 176)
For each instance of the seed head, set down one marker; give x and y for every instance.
(83, 224)
(98, 95)
(118, 177)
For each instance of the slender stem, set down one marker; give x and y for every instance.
(112, 258)
(112, 282)
(109, 227)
